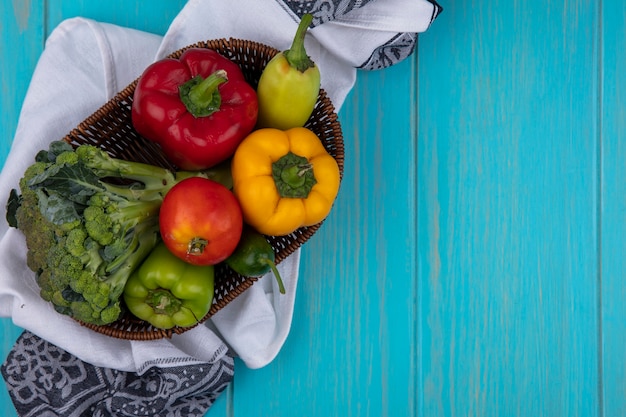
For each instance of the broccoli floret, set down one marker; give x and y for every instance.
(55, 255)
(75, 241)
(59, 301)
(44, 280)
(83, 311)
(38, 231)
(108, 220)
(111, 313)
(32, 171)
(79, 285)
(67, 157)
(98, 225)
(89, 221)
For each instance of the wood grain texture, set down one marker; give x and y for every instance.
(612, 113)
(507, 201)
(21, 43)
(152, 16)
(22, 24)
(350, 349)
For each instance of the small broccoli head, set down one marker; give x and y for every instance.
(75, 241)
(62, 299)
(97, 294)
(84, 311)
(79, 283)
(99, 225)
(31, 172)
(55, 256)
(59, 301)
(46, 289)
(91, 302)
(88, 313)
(102, 200)
(67, 157)
(111, 313)
(40, 234)
(94, 157)
(69, 268)
(69, 225)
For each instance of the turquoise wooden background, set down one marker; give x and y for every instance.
(473, 263)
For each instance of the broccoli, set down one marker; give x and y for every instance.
(89, 221)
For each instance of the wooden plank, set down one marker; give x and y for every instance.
(507, 199)
(22, 37)
(22, 24)
(613, 207)
(152, 16)
(350, 350)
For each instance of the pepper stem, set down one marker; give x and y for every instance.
(296, 55)
(279, 280)
(201, 95)
(293, 176)
(163, 302)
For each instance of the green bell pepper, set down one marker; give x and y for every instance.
(166, 291)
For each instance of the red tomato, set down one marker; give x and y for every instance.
(201, 221)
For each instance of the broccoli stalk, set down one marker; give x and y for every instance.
(152, 181)
(89, 221)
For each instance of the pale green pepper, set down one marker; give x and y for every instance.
(289, 85)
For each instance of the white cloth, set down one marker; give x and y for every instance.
(338, 46)
(84, 64)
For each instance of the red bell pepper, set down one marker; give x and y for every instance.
(198, 108)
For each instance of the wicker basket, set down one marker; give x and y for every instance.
(110, 128)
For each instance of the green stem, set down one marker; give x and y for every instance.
(296, 55)
(279, 280)
(163, 302)
(201, 96)
(145, 238)
(293, 176)
(133, 212)
(134, 192)
(153, 177)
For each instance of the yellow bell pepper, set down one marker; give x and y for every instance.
(284, 180)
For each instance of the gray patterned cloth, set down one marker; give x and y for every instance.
(395, 50)
(44, 380)
(324, 10)
(327, 10)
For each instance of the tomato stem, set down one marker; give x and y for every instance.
(196, 246)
